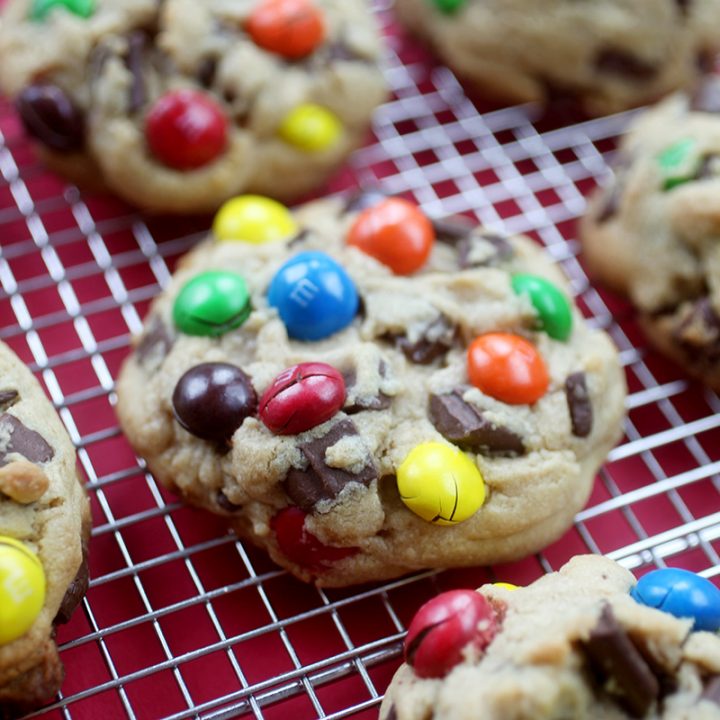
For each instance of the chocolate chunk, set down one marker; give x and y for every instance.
(23, 441)
(620, 668)
(450, 230)
(340, 51)
(299, 238)
(78, 587)
(8, 398)
(707, 95)
(698, 333)
(135, 61)
(157, 342)
(579, 404)
(319, 481)
(708, 167)
(500, 250)
(381, 401)
(615, 61)
(683, 6)
(437, 338)
(392, 713)
(711, 691)
(225, 503)
(207, 71)
(466, 426)
(363, 199)
(50, 116)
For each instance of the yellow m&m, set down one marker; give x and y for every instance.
(22, 589)
(506, 586)
(253, 219)
(440, 484)
(311, 128)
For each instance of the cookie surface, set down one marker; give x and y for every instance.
(611, 56)
(360, 422)
(179, 105)
(662, 204)
(44, 529)
(574, 644)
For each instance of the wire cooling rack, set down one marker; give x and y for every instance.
(182, 620)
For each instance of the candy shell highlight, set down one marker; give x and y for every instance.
(22, 589)
(254, 219)
(440, 484)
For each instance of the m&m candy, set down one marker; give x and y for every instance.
(302, 397)
(253, 219)
(40, 8)
(444, 627)
(314, 296)
(508, 368)
(300, 546)
(449, 6)
(311, 128)
(212, 304)
(679, 163)
(681, 593)
(186, 129)
(291, 28)
(506, 586)
(396, 233)
(552, 306)
(440, 484)
(49, 115)
(22, 589)
(211, 400)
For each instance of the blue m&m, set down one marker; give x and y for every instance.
(682, 594)
(314, 296)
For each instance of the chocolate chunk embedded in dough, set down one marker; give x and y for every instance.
(363, 199)
(23, 441)
(497, 249)
(319, 481)
(135, 60)
(465, 426)
(437, 338)
(451, 229)
(381, 401)
(157, 341)
(8, 398)
(707, 96)
(78, 587)
(50, 116)
(616, 61)
(619, 666)
(579, 404)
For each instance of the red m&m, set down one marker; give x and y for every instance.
(302, 397)
(186, 129)
(396, 233)
(291, 28)
(301, 546)
(443, 627)
(508, 368)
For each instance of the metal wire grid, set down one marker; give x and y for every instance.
(184, 621)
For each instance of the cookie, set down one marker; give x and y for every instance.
(365, 392)
(609, 56)
(585, 642)
(661, 207)
(44, 530)
(178, 105)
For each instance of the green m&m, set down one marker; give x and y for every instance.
(448, 6)
(679, 163)
(212, 304)
(41, 8)
(551, 304)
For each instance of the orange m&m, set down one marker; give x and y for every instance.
(508, 368)
(291, 28)
(396, 233)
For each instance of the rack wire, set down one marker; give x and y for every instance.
(181, 619)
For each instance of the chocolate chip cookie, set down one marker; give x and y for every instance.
(610, 55)
(652, 231)
(585, 642)
(44, 529)
(178, 105)
(364, 391)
